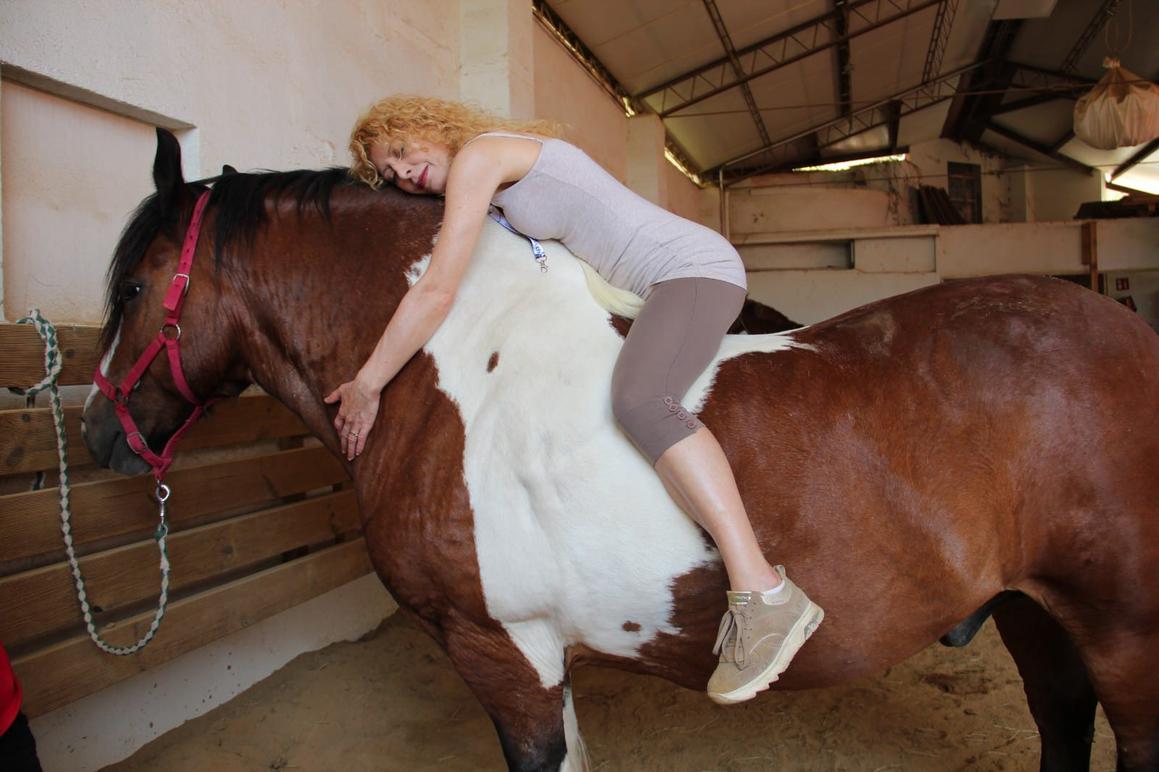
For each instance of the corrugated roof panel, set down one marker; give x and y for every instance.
(645, 42)
(890, 59)
(724, 131)
(1043, 123)
(751, 22)
(795, 98)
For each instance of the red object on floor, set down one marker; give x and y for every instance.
(10, 694)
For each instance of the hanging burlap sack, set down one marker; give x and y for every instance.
(1122, 110)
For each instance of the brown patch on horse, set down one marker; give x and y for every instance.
(493, 362)
(621, 325)
(631, 627)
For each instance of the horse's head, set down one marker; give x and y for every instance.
(157, 305)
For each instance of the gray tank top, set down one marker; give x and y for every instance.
(630, 241)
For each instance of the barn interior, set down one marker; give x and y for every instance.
(850, 150)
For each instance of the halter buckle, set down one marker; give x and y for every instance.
(185, 287)
(173, 325)
(139, 446)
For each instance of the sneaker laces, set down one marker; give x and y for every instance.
(731, 623)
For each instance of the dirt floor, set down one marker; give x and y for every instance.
(392, 702)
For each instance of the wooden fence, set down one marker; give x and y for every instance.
(260, 521)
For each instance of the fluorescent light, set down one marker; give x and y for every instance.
(840, 166)
(672, 159)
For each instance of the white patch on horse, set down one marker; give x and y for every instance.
(105, 361)
(575, 534)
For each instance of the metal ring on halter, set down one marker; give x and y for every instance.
(175, 326)
(162, 492)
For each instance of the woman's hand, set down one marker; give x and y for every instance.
(355, 416)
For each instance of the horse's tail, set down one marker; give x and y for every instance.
(614, 300)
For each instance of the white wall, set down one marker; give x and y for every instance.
(813, 276)
(259, 84)
(565, 93)
(80, 737)
(72, 174)
(264, 84)
(1056, 194)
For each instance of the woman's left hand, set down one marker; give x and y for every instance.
(356, 414)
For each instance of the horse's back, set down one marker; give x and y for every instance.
(956, 440)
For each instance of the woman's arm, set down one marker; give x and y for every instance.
(472, 180)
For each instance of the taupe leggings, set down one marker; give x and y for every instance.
(676, 335)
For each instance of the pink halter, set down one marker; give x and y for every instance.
(168, 337)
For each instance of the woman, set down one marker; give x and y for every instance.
(694, 285)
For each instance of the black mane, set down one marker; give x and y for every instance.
(239, 202)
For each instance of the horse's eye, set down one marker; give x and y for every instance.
(129, 290)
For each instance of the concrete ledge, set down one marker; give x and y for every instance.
(112, 724)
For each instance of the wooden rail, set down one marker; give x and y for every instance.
(261, 527)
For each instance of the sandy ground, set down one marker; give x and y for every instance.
(392, 702)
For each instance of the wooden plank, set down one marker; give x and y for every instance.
(35, 603)
(72, 669)
(1090, 251)
(28, 437)
(30, 521)
(22, 354)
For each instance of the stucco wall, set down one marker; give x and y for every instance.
(1056, 194)
(263, 84)
(64, 201)
(565, 93)
(269, 84)
(259, 84)
(683, 197)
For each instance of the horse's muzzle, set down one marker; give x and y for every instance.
(105, 440)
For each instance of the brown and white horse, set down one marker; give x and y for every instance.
(910, 460)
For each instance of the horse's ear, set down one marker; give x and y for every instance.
(167, 168)
(227, 169)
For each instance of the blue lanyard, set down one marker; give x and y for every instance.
(536, 247)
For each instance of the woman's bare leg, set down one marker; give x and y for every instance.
(698, 477)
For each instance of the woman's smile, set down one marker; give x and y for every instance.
(418, 167)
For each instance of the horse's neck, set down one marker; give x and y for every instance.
(317, 297)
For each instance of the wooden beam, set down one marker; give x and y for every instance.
(28, 437)
(969, 110)
(63, 673)
(40, 602)
(1038, 147)
(1030, 101)
(1136, 158)
(123, 507)
(22, 354)
(1090, 251)
(894, 124)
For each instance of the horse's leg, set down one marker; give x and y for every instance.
(1119, 649)
(536, 723)
(1057, 686)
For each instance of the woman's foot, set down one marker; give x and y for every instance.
(759, 636)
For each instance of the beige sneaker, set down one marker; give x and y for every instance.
(758, 639)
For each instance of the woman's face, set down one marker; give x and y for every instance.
(417, 166)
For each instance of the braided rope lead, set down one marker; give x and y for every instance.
(52, 365)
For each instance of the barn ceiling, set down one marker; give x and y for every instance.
(749, 86)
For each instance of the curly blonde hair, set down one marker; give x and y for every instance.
(407, 117)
